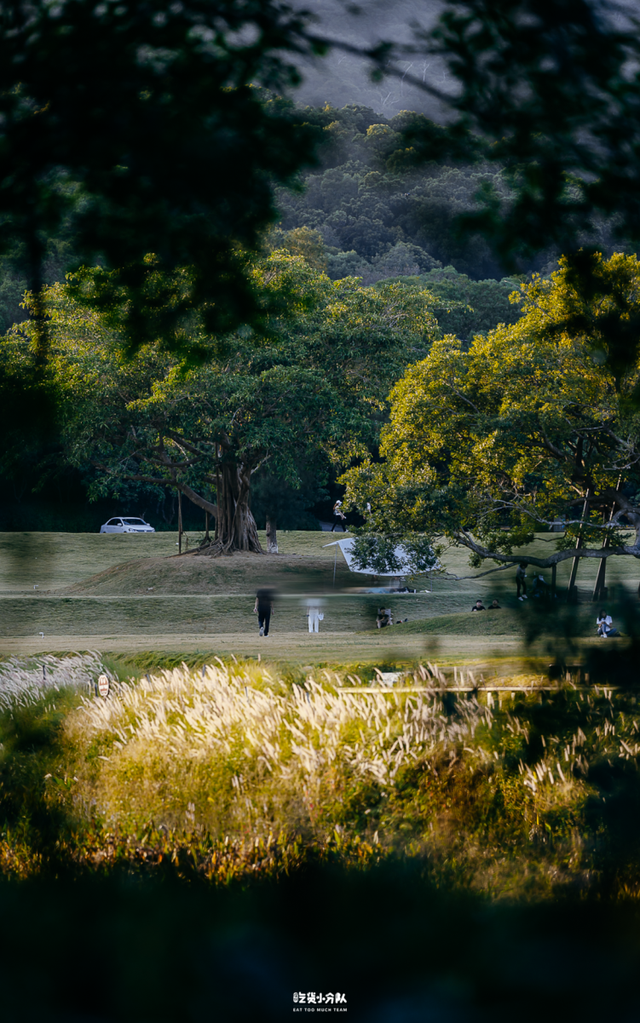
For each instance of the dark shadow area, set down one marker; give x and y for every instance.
(389, 943)
(564, 627)
(35, 820)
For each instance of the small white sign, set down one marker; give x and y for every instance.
(103, 685)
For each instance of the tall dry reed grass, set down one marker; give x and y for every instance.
(24, 682)
(234, 749)
(233, 768)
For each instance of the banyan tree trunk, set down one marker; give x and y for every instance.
(236, 529)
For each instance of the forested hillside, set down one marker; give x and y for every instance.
(379, 215)
(367, 211)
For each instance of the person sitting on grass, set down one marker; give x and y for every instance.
(494, 606)
(605, 627)
(478, 606)
(384, 617)
(540, 587)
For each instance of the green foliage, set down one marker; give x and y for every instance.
(307, 395)
(465, 307)
(284, 503)
(389, 552)
(141, 138)
(12, 289)
(513, 433)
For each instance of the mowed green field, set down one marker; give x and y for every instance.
(63, 591)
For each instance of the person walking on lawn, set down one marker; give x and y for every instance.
(315, 614)
(263, 608)
(339, 517)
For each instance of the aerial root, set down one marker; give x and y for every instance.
(216, 548)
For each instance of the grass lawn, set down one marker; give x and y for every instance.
(129, 594)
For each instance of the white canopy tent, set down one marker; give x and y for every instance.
(404, 560)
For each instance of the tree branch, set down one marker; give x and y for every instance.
(490, 571)
(551, 448)
(466, 540)
(184, 488)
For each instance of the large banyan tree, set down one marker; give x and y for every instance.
(306, 393)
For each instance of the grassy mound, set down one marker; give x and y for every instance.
(238, 573)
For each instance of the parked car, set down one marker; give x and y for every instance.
(122, 525)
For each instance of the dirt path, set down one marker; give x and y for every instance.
(297, 647)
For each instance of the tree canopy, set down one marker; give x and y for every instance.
(526, 428)
(308, 395)
(143, 126)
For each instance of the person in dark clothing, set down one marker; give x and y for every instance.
(384, 618)
(478, 606)
(521, 580)
(494, 606)
(540, 587)
(263, 608)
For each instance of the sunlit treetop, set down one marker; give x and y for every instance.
(525, 427)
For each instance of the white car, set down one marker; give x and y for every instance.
(122, 525)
